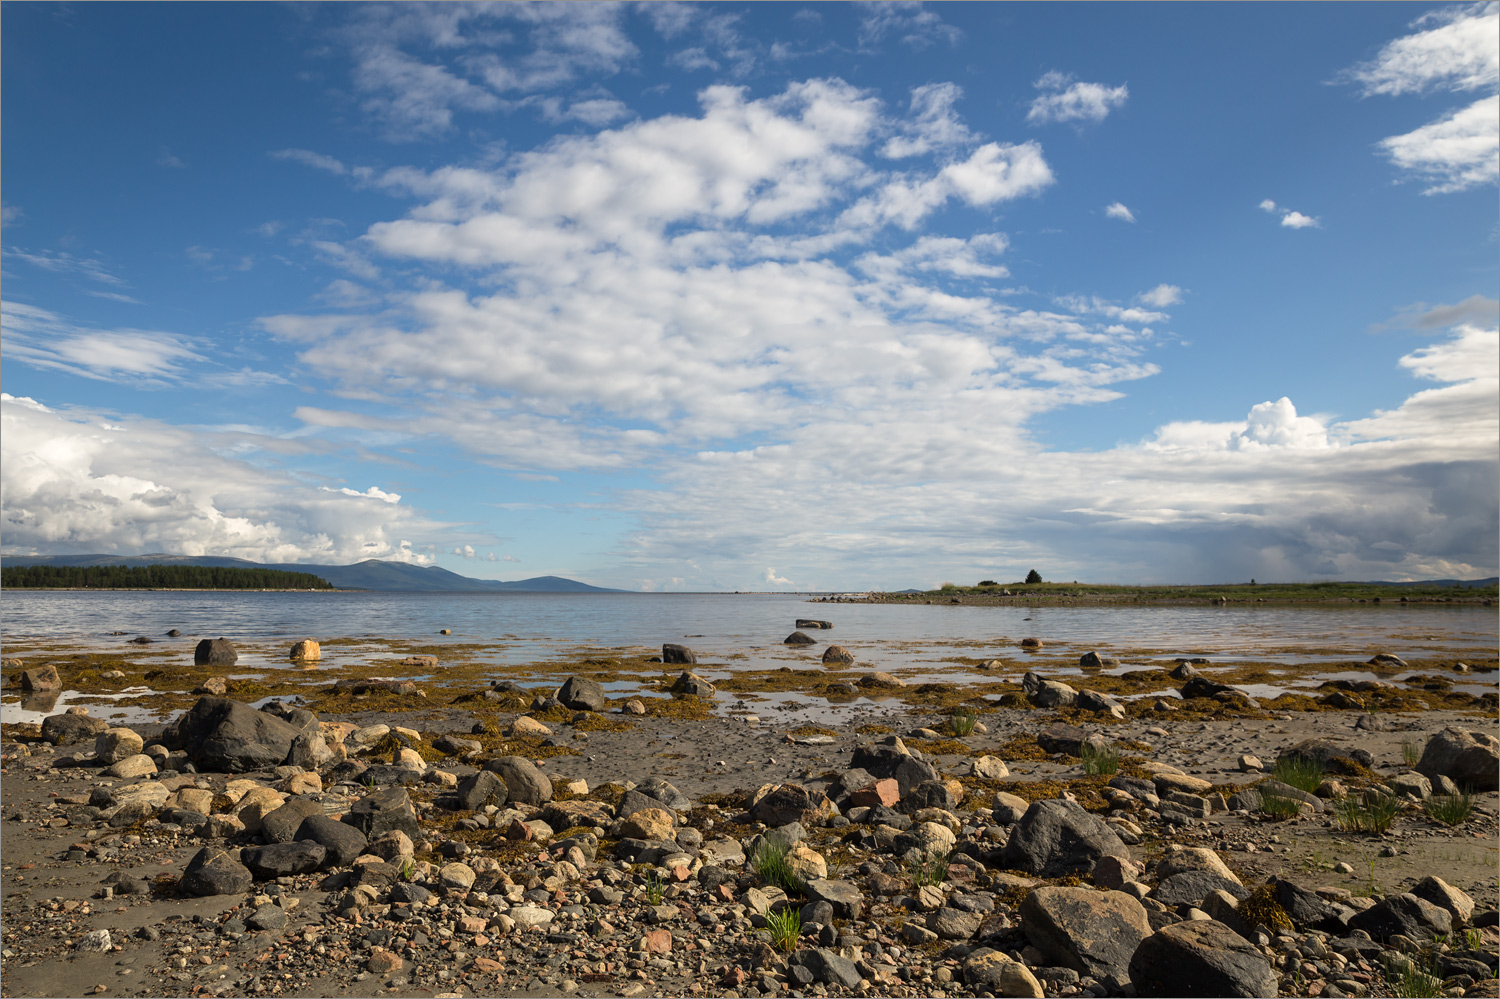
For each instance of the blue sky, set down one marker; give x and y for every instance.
(762, 296)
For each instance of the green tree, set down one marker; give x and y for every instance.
(1033, 576)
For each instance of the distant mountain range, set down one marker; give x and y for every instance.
(371, 574)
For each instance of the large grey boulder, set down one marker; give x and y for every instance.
(386, 809)
(1056, 838)
(341, 842)
(791, 803)
(1046, 693)
(1407, 914)
(478, 790)
(524, 783)
(279, 860)
(215, 652)
(1093, 932)
(679, 655)
(1443, 895)
(582, 694)
(1200, 958)
(1469, 759)
(692, 684)
(40, 679)
(280, 825)
(223, 735)
(214, 871)
(66, 729)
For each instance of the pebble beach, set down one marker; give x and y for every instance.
(828, 831)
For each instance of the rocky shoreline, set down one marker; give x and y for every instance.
(1048, 842)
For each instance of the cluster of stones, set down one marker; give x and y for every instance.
(902, 883)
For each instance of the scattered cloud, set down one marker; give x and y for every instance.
(11, 215)
(1452, 50)
(1290, 219)
(1162, 296)
(1064, 99)
(62, 262)
(934, 123)
(907, 21)
(318, 161)
(166, 159)
(1119, 211)
(45, 339)
(1453, 153)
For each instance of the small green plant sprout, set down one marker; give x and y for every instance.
(1368, 812)
(1449, 809)
(963, 721)
(408, 869)
(655, 890)
(784, 927)
(771, 867)
(1099, 760)
(1411, 752)
(1299, 772)
(929, 871)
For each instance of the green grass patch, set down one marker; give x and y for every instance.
(771, 867)
(1449, 809)
(1100, 760)
(962, 721)
(1367, 812)
(1411, 752)
(1299, 772)
(1279, 806)
(784, 928)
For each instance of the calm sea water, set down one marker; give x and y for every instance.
(728, 631)
(728, 623)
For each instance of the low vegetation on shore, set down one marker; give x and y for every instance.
(156, 577)
(989, 591)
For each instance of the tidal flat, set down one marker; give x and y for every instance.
(633, 841)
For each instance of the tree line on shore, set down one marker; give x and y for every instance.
(157, 577)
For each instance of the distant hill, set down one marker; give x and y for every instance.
(371, 574)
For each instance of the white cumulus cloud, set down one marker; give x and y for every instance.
(1064, 99)
(1119, 211)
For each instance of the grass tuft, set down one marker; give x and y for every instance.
(1449, 809)
(1279, 806)
(1100, 760)
(1366, 813)
(655, 890)
(1411, 752)
(784, 927)
(771, 867)
(963, 721)
(1299, 772)
(929, 871)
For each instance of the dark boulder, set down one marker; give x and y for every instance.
(1191, 887)
(340, 841)
(813, 624)
(279, 860)
(387, 808)
(524, 783)
(478, 790)
(214, 871)
(66, 729)
(1202, 686)
(224, 735)
(1406, 914)
(679, 655)
(280, 825)
(581, 694)
(215, 652)
(1469, 759)
(798, 638)
(1056, 838)
(1200, 958)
